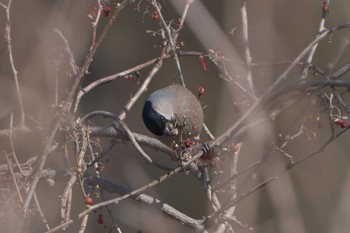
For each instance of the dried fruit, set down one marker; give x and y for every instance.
(341, 122)
(188, 142)
(234, 147)
(207, 156)
(179, 22)
(204, 65)
(107, 10)
(88, 200)
(200, 91)
(100, 219)
(92, 12)
(155, 16)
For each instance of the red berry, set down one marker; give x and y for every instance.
(188, 142)
(207, 156)
(179, 22)
(204, 65)
(100, 219)
(155, 16)
(234, 147)
(92, 12)
(325, 6)
(343, 125)
(341, 122)
(200, 91)
(88, 200)
(107, 10)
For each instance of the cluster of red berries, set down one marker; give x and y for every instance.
(189, 143)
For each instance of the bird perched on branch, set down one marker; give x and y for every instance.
(174, 114)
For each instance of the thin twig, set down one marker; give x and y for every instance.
(9, 164)
(41, 212)
(171, 42)
(133, 193)
(113, 132)
(182, 20)
(3, 5)
(13, 147)
(65, 207)
(68, 50)
(95, 23)
(269, 93)
(264, 183)
(321, 28)
(13, 67)
(17, 130)
(207, 131)
(129, 135)
(41, 162)
(247, 55)
(141, 90)
(133, 141)
(115, 225)
(75, 87)
(112, 77)
(232, 191)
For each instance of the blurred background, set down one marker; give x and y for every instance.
(311, 197)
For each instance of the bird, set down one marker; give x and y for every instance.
(174, 114)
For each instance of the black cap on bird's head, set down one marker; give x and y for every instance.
(156, 122)
(153, 120)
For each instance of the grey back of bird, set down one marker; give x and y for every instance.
(185, 107)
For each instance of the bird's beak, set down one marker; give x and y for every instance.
(170, 130)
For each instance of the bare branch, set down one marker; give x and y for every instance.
(133, 193)
(109, 78)
(14, 70)
(41, 212)
(9, 164)
(321, 28)
(95, 23)
(269, 93)
(68, 50)
(68, 104)
(248, 57)
(170, 39)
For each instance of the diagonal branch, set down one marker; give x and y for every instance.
(264, 99)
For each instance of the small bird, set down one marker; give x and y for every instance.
(174, 114)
